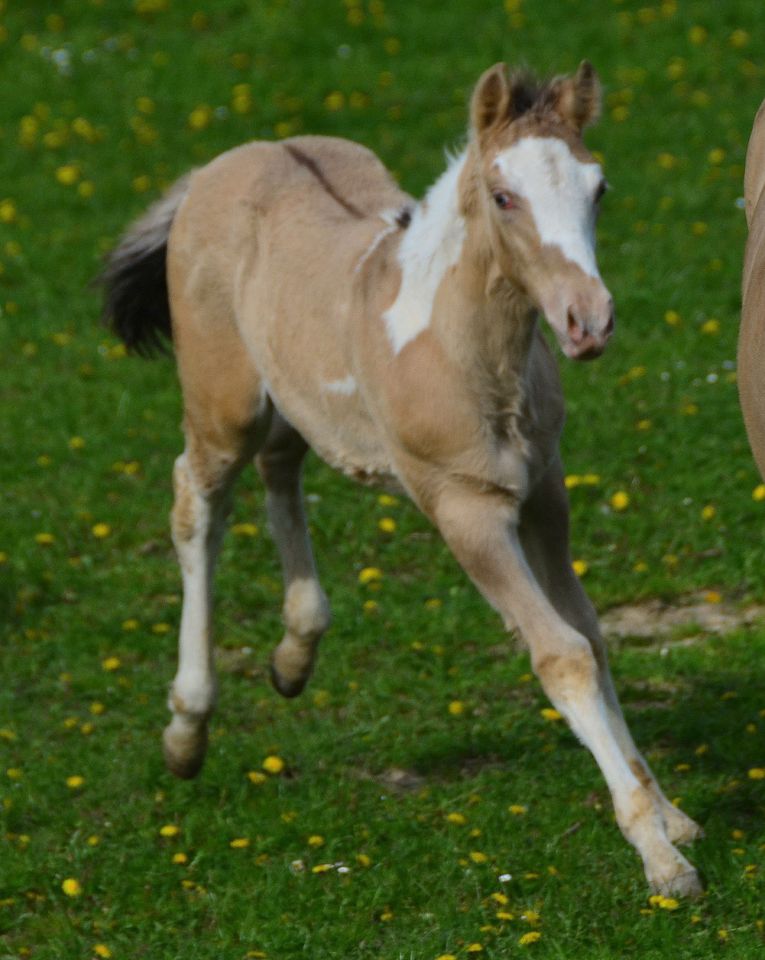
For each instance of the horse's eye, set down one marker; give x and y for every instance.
(503, 200)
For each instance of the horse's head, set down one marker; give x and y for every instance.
(538, 192)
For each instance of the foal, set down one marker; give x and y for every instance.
(314, 303)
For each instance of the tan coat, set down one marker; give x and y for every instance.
(751, 344)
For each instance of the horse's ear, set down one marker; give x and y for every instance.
(491, 99)
(577, 98)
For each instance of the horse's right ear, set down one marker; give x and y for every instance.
(491, 100)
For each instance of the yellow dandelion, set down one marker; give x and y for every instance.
(101, 530)
(667, 161)
(101, 950)
(8, 211)
(517, 809)
(180, 858)
(131, 624)
(697, 35)
(169, 830)
(68, 174)
(620, 501)
(477, 857)
(75, 782)
(708, 512)
(334, 101)
(245, 529)
(711, 327)
(44, 539)
(110, 664)
(528, 938)
(256, 777)
(370, 606)
(713, 596)
(757, 773)
(672, 318)
(459, 819)
(273, 764)
(474, 948)
(239, 843)
(13, 773)
(386, 500)
(446, 956)
(93, 840)
(160, 628)
(200, 117)
(580, 567)
(739, 39)
(456, 708)
(549, 713)
(504, 915)
(370, 575)
(97, 708)
(363, 860)
(500, 898)
(71, 887)
(322, 868)
(758, 493)
(387, 525)
(316, 840)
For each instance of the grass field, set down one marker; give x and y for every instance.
(417, 770)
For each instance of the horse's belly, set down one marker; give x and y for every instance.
(334, 422)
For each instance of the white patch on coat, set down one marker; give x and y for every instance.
(431, 244)
(345, 387)
(560, 192)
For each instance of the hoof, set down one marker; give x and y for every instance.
(686, 884)
(292, 665)
(184, 750)
(288, 688)
(680, 828)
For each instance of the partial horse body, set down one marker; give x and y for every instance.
(314, 303)
(751, 343)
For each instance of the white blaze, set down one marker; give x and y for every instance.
(560, 191)
(431, 244)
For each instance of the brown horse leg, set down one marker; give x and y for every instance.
(482, 530)
(226, 416)
(545, 538)
(306, 610)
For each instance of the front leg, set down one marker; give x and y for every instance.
(481, 528)
(544, 534)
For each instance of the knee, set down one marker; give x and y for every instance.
(184, 516)
(569, 674)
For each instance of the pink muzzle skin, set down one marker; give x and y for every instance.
(588, 333)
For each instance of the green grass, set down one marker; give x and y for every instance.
(656, 417)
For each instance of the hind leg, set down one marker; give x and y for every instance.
(226, 416)
(306, 610)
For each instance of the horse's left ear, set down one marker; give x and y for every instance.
(578, 97)
(491, 100)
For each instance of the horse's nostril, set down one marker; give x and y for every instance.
(575, 331)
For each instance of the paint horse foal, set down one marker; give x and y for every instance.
(751, 344)
(313, 302)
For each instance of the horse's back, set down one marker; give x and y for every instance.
(264, 267)
(751, 347)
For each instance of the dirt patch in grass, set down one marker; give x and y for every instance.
(696, 614)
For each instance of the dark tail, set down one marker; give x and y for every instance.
(136, 305)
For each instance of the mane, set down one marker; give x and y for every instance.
(531, 94)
